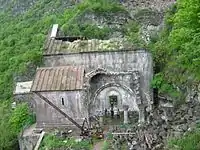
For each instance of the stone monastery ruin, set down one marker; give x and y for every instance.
(83, 78)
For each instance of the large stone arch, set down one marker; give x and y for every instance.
(125, 95)
(136, 78)
(133, 93)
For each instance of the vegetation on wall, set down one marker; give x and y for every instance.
(132, 33)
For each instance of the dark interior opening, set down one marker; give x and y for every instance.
(113, 100)
(62, 99)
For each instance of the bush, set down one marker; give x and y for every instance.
(52, 142)
(106, 145)
(12, 122)
(21, 117)
(190, 141)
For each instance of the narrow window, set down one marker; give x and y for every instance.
(62, 101)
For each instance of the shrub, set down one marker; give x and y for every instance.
(190, 141)
(52, 142)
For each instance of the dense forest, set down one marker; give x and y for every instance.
(176, 51)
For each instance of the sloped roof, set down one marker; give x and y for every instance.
(65, 78)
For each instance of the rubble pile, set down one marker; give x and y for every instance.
(97, 45)
(154, 135)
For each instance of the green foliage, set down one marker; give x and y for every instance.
(164, 87)
(190, 141)
(11, 123)
(7, 135)
(76, 27)
(132, 32)
(101, 6)
(176, 51)
(21, 117)
(52, 142)
(106, 145)
(86, 30)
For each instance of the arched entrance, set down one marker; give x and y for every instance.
(112, 96)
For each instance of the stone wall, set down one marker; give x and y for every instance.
(118, 61)
(28, 142)
(73, 106)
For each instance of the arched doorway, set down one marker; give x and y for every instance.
(113, 95)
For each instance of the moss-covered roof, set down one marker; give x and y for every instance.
(59, 46)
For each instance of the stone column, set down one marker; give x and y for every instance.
(141, 114)
(125, 113)
(101, 119)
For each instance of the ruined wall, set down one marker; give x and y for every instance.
(74, 106)
(119, 61)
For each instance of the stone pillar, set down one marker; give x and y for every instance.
(125, 113)
(141, 114)
(101, 119)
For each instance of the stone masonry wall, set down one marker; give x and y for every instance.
(119, 61)
(74, 106)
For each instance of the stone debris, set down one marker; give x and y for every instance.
(153, 135)
(97, 45)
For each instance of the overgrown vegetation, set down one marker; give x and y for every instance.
(132, 33)
(21, 40)
(176, 54)
(176, 51)
(190, 141)
(52, 142)
(77, 24)
(12, 121)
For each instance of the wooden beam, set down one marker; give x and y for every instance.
(59, 110)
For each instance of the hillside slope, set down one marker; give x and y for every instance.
(24, 25)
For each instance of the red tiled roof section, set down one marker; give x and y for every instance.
(66, 78)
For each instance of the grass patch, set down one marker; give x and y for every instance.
(52, 142)
(190, 141)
